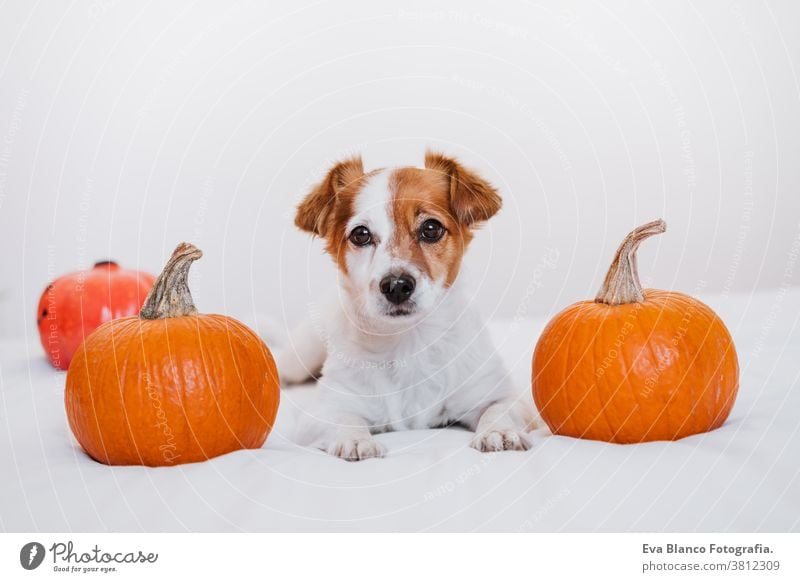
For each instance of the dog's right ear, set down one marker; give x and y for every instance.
(472, 198)
(315, 212)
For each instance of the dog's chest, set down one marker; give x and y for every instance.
(442, 372)
(416, 390)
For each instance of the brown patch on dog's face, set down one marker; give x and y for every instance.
(419, 196)
(446, 192)
(326, 209)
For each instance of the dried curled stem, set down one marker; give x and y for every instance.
(622, 284)
(170, 295)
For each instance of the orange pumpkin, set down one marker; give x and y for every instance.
(634, 365)
(171, 386)
(74, 305)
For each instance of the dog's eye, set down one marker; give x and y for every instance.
(360, 236)
(431, 231)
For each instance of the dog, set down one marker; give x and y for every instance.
(401, 347)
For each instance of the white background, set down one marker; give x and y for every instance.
(126, 127)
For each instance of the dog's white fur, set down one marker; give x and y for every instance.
(431, 368)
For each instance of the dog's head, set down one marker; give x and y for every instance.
(398, 234)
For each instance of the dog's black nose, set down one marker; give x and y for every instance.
(398, 289)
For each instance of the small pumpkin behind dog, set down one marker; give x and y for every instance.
(171, 385)
(635, 365)
(74, 305)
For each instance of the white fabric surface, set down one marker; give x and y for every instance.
(742, 477)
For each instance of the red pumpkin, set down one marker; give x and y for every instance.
(171, 385)
(74, 305)
(635, 365)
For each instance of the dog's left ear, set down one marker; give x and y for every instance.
(472, 199)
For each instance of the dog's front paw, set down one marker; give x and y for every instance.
(499, 440)
(356, 449)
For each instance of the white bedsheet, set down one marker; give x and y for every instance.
(742, 477)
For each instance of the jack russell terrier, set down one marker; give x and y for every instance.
(403, 347)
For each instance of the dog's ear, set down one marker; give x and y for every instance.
(472, 199)
(316, 210)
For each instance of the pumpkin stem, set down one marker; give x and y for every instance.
(622, 284)
(170, 295)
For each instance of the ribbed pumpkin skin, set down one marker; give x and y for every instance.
(170, 391)
(658, 370)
